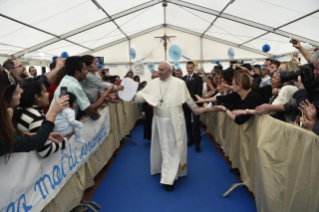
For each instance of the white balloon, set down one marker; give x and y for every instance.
(27, 57)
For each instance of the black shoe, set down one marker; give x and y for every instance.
(169, 187)
(197, 147)
(190, 143)
(105, 167)
(235, 171)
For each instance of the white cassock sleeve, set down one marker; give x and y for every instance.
(138, 98)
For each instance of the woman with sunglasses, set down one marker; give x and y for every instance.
(12, 140)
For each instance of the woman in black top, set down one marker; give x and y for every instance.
(249, 98)
(12, 140)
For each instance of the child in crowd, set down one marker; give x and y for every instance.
(93, 83)
(65, 122)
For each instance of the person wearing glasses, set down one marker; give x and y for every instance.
(19, 71)
(12, 140)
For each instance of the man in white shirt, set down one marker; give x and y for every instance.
(33, 72)
(267, 79)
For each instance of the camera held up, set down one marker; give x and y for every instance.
(306, 73)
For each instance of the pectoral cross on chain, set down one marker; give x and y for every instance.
(161, 101)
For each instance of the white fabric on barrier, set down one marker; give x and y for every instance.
(29, 183)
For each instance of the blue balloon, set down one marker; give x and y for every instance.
(176, 64)
(64, 55)
(150, 65)
(132, 53)
(100, 66)
(217, 62)
(175, 52)
(231, 53)
(239, 61)
(266, 48)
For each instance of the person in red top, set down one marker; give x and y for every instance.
(54, 84)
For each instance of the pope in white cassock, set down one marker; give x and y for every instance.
(169, 141)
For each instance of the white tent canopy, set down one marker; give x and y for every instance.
(46, 28)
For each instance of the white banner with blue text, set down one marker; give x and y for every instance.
(29, 182)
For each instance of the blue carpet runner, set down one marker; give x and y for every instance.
(129, 187)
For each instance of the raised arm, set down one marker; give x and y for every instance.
(296, 43)
(201, 100)
(27, 143)
(96, 105)
(59, 65)
(102, 84)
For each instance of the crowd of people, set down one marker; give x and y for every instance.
(287, 91)
(41, 112)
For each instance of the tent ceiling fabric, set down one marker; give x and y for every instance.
(112, 7)
(98, 36)
(141, 20)
(306, 27)
(16, 34)
(236, 32)
(57, 48)
(50, 15)
(278, 44)
(216, 5)
(247, 23)
(272, 13)
(188, 18)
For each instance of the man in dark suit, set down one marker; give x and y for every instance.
(195, 87)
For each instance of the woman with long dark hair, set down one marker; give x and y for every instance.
(29, 116)
(12, 140)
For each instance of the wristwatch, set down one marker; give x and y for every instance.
(247, 110)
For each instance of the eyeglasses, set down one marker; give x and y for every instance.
(10, 78)
(96, 64)
(20, 66)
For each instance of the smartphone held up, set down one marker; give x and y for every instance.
(64, 91)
